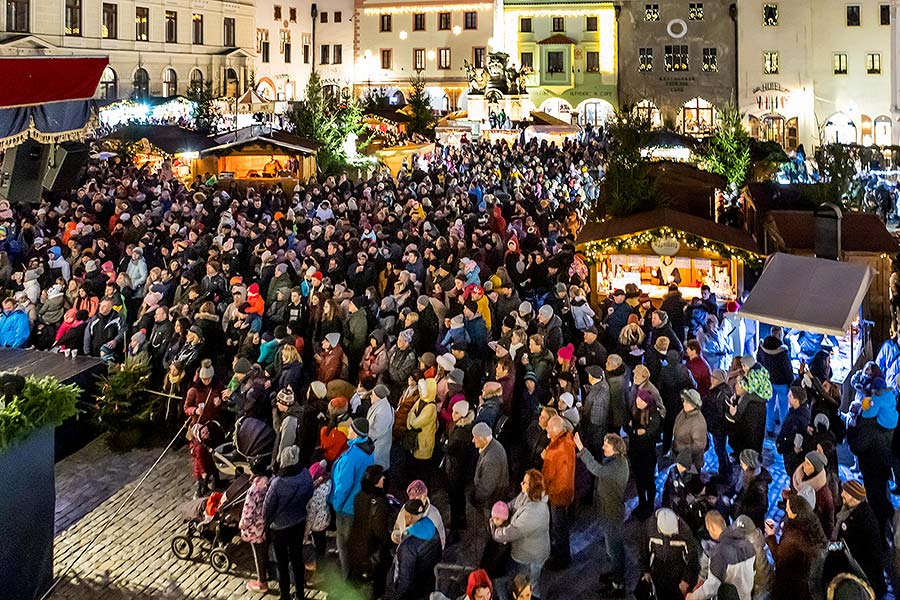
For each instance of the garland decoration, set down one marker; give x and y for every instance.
(616, 245)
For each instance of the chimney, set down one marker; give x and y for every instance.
(828, 231)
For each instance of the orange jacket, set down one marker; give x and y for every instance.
(559, 470)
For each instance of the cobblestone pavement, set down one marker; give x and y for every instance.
(132, 557)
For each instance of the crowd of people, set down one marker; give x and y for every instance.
(432, 334)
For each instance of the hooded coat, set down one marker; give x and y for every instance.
(527, 531)
(412, 573)
(381, 425)
(423, 418)
(774, 356)
(347, 472)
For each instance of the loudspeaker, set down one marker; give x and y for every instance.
(23, 167)
(66, 167)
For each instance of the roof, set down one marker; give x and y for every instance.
(390, 114)
(557, 39)
(169, 138)
(771, 196)
(235, 140)
(824, 295)
(666, 217)
(686, 188)
(542, 118)
(664, 138)
(251, 97)
(860, 232)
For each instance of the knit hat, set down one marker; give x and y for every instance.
(566, 352)
(286, 396)
(318, 388)
(242, 366)
(661, 345)
(719, 375)
(820, 421)
(461, 408)
(416, 489)
(381, 391)
(456, 376)
(482, 430)
(338, 404)
(750, 458)
(407, 335)
(817, 460)
(360, 426)
(641, 374)
(207, 372)
(333, 339)
(500, 510)
(491, 389)
(748, 361)
(806, 491)
(546, 312)
(525, 308)
(446, 362)
(856, 489)
(457, 322)
(666, 522)
(567, 399)
(289, 456)
(692, 397)
(317, 469)
(613, 362)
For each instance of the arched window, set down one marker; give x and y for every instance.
(141, 83)
(170, 83)
(197, 79)
(840, 129)
(647, 109)
(883, 131)
(697, 117)
(109, 87)
(231, 82)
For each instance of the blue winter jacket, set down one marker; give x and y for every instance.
(883, 408)
(14, 329)
(346, 475)
(286, 499)
(888, 361)
(412, 576)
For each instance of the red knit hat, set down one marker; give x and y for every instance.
(566, 352)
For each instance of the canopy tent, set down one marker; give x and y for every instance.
(808, 293)
(50, 100)
(251, 102)
(168, 138)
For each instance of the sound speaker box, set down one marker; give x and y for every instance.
(66, 167)
(23, 167)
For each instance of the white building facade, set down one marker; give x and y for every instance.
(155, 47)
(284, 53)
(817, 71)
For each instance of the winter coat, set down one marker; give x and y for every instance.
(460, 453)
(583, 315)
(713, 408)
(715, 347)
(669, 559)
(381, 425)
(674, 305)
(489, 411)
(619, 381)
(701, 373)
(356, 332)
(423, 417)
(794, 556)
(888, 360)
(285, 504)
(15, 329)
(795, 422)
(253, 520)
(748, 424)
(824, 508)
(374, 363)
(331, 364)
(855, 527)
(552, 333)
(617, 320)
(674, 379)
(401, 364)
(731, 562)
(347, 472)
(665, 330)
(609, 490)
(559, 470)
(882, 408)
(595, 412)
(53, 310)
(370, 534)
(477, 331)
(527, 531)
(753, 499)
(776, 359)
(412, 573)
(491, 476)
(757, 381)
(689, 433)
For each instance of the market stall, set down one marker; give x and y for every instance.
(151, 145)
(689, 251)
(176, 110)
(549, 128)
(817, 296)
(396, 157)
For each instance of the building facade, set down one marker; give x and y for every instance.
(570, 48)
(677, 60)
(155, 47)
(817, 71)
(395, 41)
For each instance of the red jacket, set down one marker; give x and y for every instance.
(559, 470)
(699, 368)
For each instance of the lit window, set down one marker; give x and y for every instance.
(419, 59)
(853, 19)
(262, 44)
(710, 60)
(142, 24)
(677, 58)
(110, 28)
(770, 14)
(591, 24)
(592, 64)
(770, 63)
(840, 63)
(695, 11)
(645, 64)
(443, 58)
(171, 27)
(478, 55)
(73, 17)
(651, 12)
(873, 63)
(444, 21)
(386, 24)
(527, 60)
(198, 28)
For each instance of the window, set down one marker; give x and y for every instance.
(885, 13)
(840, 63)
(196, 79)
(305, 54)
(590, 24)
(277, 13)
(292, 15)
(262, 44)
(287, 52)
(198, 28)
(17, 15)
(525, 25)
(443, 58)
(170, 83)
(323, 17)
(171, 27)
(337, 54)
(770, 14)
(770, 63)
(592, 65)
(387, 59)
(325, 54)
(419, 59)
(229, 32)
(853, 15)
(386, 24)
(559, 24)
(695, 11)
(478, 55)
(110, 27)
(444, 21)
(141, 83)
(338, 16)
(419, 22)
(710, 60)
(142, 24)
(651, 12)
(555, 62)
(645, 60)
(470, 20)
(677, 58)
(73, 17)
(873, 63)
(527, 60)
(108, 85)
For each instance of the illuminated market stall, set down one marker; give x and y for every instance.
(176, 110)
(690, 251)
(150, 145)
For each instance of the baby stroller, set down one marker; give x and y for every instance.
(212, 523)
(253, 441)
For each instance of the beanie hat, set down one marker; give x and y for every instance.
(318, 468)
(360, 426)
(748, 361)
(856, 489)
(456, 376)
(567, 399)
(500, 510)
(318, 389)
(666, 522)
(482, 430)
(806, 491)
(566, 352)
(242, 366)
(416, 489)
(817, 460)
(333, 339)
(461, 408)
(750, 458)
(446, 362)
(525, 308)
(286, 396)
(692, 397)
(546, 311)
(381, 391)
(719, 375)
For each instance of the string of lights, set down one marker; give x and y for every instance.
(593, 251)
(426, 8)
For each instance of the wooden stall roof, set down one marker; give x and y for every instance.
(169, 138)
(275, 138)
(666, 217)
(795, 230)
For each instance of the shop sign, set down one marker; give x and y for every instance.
(667, 246)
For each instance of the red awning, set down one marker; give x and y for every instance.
(41, 79)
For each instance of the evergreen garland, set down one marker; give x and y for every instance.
(43, 402)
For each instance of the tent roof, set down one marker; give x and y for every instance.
(233, 141)
(860, 232)
(169, 138)
(43, 79)
(251, 97)
(542, 118)
(812, 294)
(654, 219)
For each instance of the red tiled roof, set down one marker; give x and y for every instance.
(557, 39)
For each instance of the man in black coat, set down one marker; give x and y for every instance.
(794, 424)
(856, 526)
